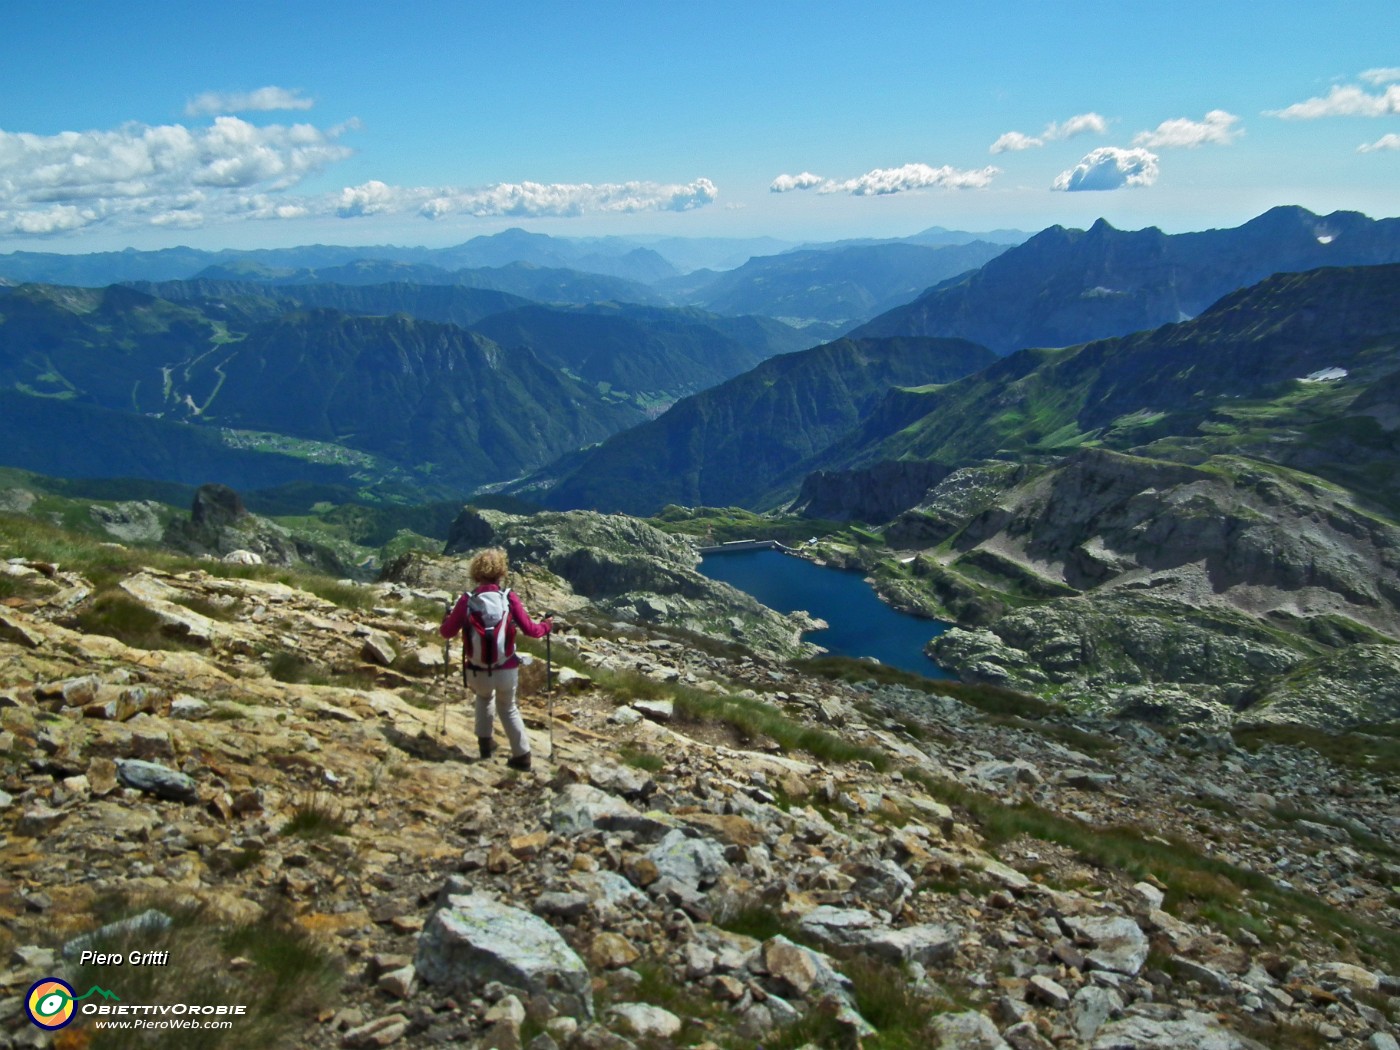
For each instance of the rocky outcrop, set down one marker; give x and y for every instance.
(1130, 583)
(616, 564)
(220, 525)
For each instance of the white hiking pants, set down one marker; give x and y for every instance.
(496, 692)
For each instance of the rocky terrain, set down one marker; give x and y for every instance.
(1232, 592)
(714, 848)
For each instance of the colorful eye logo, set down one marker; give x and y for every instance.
(50, 1003)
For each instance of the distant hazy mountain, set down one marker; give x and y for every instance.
(841, 285)
(1063, 287)
(652, 356)
(733, 443)
(526, 280)
(643, 260)
(255, 301)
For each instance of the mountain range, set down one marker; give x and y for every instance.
(236, 378)
(1063, 286)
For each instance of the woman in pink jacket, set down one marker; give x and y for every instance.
(489, 615)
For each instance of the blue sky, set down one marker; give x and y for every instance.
(247, 124)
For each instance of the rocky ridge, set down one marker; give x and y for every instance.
(660, 880)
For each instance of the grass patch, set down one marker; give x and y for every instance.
(292, 668)
(752, 917)
(122, 617)
(755, 719)
(283, 979)
(315, 818)
(990, 699)
(224, 613)
(639, 759)
(1376, 749)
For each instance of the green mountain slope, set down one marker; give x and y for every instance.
(376, 394)
(653, 356)
(733, 443)
(1233, 380)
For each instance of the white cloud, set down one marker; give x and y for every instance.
(262, 100)
(1014, 141)
(1218, 129)
(184, 177)
(1378, 77)
(1110, 168)
(885, 181)
(1385, 142)
(528, 199)
(1344, 100)
(162, 175)
(1079, 124)
(788, 183)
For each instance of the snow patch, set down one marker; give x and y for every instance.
(1324, 375)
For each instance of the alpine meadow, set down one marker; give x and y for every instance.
(405, 416)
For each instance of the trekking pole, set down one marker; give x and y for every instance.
(549, 679)
(446, 672)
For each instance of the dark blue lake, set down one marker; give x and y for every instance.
(861, 624)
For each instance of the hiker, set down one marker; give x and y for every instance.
(488, 617)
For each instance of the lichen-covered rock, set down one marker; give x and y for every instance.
(1180, 1028)
(470, 940)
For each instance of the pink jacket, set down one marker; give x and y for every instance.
(454, 621)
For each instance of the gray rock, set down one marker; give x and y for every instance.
(1042, 989)
(1198, 1031)
(158, 780)
(1119, 944)
(929, 944)
(381, 1032)
(1091, 1008)
(621, 780)
(39, 820)
(840, 927)
(968, 1030)
(645, 1021)
(1209, 979)
(801, 972)
(580, 808)
(656, 710)
(378, 650)
(695, 862)
(470, 940)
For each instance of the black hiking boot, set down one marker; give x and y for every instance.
(486, 746)
(521, 762)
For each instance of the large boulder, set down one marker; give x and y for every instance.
(470, 940)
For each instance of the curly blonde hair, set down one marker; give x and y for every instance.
(489, 566)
